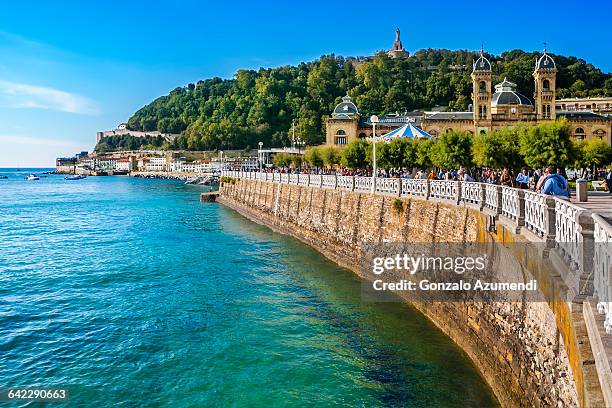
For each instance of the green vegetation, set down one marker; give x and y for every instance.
(548, 143)
(260, 105)
(512, 147)
(398, 207)
(128, 142)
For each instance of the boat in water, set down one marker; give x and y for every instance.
(75, 177)
(2, 177)
(32, 177)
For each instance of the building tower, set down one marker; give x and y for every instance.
(398, 50)
(481, 93)
(545, 76)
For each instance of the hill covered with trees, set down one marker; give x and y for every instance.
(260, 105)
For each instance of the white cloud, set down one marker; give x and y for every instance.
(19, 95)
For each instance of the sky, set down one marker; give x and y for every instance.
(71, 68)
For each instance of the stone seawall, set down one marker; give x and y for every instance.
(517, 347)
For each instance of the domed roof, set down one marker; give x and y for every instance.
(505, 94)
(482, 63)
(345, 109)
(545, 62)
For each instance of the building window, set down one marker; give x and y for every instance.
(341, 140)
(449, 130)
(579, 133)
(599, 133)
(482, 112)
(546, 111)
(341, 132)
(546, 85)
(434, 133)
(482, 87)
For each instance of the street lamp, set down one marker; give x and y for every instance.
(260, 155)
(373, 121)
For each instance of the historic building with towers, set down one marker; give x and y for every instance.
(493, 107)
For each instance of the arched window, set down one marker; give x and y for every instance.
(341, 140)
(482, 86)
(483, 132)
(546, 85)
(600, 134)
(341, 132)
(579, 133)
(433, 132)
(449, 130)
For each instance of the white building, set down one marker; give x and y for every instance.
(156, 164)
(124, 164)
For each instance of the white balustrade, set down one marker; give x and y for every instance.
(510, 205)
(535, 213)
(388, 185)
(471, 192)
(284, 178)
(414, 187)
(329, 181)
(492, 197)
(602, 268)
(345, 182)
(444, 189)
(294, 178)
(304, 179)
(363, 183)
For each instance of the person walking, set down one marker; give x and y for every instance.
(522, 179)
(609, 180)
(555, 184)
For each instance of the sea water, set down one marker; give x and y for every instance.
(129, 292)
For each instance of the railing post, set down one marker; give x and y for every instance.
(335, 181)
(308, 179)
(427, 189)
(483, 196)
(352, 183)
(498, 192)
(550, 222)
(520, 219)
(458, 197)
(399, 187)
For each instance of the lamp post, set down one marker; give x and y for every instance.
(373, 121)
(260, 155)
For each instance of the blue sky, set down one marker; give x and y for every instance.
(71, 68)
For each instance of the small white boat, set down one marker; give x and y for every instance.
(32, 177)
(75, 177)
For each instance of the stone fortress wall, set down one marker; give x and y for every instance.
(531, 354)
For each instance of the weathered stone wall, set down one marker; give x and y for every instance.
(517, 346)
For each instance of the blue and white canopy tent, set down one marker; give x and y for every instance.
(407, 131)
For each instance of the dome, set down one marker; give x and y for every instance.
(505, 94)
(482, 63)
(545, 62)
(346, 108)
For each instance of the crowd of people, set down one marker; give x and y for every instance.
(550, 180)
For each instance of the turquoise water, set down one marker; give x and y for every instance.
(131, 293)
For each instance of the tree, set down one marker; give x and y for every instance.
(593, 153)
(547, 144)
(354, 154)
(422, 153)
(313, 157)
(497, 149)
(296, 161)
(282, 160)
(452, 150)
(331, 156)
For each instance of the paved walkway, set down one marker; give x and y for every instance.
(599, 201)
